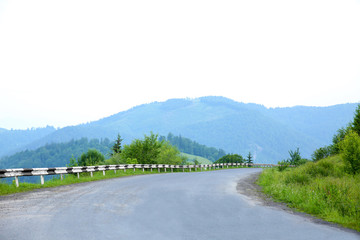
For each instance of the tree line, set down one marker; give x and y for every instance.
(55, 154)
(189, 146)
(148, 150)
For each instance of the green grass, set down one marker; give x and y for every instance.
(6, 188)
(322, 189)
(201, 160)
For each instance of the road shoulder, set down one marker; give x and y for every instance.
(247, 187)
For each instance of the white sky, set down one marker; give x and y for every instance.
(69, 62)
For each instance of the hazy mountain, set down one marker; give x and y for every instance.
(219, 122)
(12, 141)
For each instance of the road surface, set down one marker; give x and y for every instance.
(204, 205)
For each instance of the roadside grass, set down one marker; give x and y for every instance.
(6, 188)
(322, 189)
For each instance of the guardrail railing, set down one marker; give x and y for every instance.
(19, 172)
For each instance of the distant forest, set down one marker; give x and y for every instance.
(55, 154)
(186, 145)
(59, 154)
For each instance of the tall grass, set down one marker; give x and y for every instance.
(322, 189)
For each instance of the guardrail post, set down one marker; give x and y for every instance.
(78, 175)
(17, 181)
(115, 171)
(165, 169)
(42, 179)
(151, 169)
(158, 169)
(62, 176)
(143, 169)
(103, 172)
(91, 174)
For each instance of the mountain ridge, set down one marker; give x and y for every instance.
(269, 133)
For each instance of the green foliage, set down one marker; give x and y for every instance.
(55, 154)
(321, 153)
(73, 162)
(131, 161)
(231, 158)
(356, 121)
(169, 155)
(283, 165)
(116, 148)
(146, 151)
(191, 158)
(188, 146)
(320, 188)
(115, 159)
(249, 158)
(91, 158)
(350, 151)
(295, 157)
(337, 138)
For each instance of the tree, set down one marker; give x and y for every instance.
(350, 152)
(249, 158)
(169, 155)
(231, 158)
(338, 137)
(116, 148)
(295, 157)
(73, 162)
(356, 121)
(321, 153)
(91, 158)
(145, 151)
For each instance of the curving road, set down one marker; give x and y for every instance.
(202, 205)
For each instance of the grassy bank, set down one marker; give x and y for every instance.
(84, 177)
(322, 189)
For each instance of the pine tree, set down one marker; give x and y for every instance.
(249, 159)
(116, 148)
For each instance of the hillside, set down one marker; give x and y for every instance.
(55, 154)
(218, 122)
(12, 141)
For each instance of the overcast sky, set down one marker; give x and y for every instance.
(69, 62)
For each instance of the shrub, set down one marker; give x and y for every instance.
(350, 151)
(91, 158)
(283, 165)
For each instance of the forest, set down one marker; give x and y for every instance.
(189, 146)
(55, 154)
(60, 154)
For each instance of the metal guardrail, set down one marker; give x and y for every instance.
(19, 172)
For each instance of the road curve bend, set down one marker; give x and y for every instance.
(201, 205)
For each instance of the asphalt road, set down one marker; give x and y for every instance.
(198, 206)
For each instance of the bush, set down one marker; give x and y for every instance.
(321, 153)
(350, 151)
(91, 158)
(283, 165)
(321, 188)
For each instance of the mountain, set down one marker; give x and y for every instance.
(269, 133)
(12, 141)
